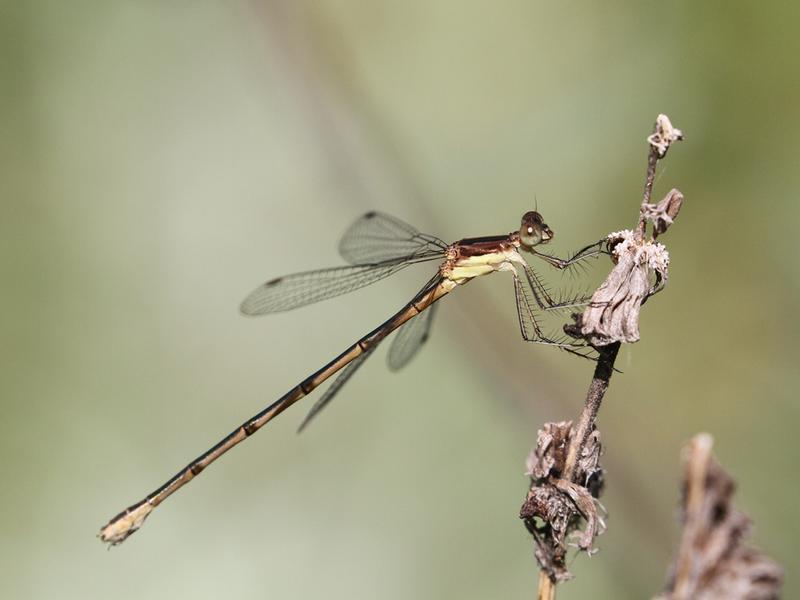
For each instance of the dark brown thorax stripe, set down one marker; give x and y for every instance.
(485, 245)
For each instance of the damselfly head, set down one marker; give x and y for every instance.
(533, 230)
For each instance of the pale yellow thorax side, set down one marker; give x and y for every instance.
(463, 269)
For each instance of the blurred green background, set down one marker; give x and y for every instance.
(160, 159)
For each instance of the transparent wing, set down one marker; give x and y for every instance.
(334, 388)
(377, 237)
(355, 364)
(293, 291)
(409, 339)
(376, 245)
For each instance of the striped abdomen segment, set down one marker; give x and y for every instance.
(132, 518)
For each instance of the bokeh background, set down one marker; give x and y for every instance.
(159, 160)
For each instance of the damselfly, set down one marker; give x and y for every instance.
(377, 246)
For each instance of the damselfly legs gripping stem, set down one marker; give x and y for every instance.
(377, 246)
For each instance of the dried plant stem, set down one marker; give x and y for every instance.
(607, 354)
(547, 589)
(585, 424)
(697, 465)
(663, 135)
(597, 389)
(652, 161)
(714, 559)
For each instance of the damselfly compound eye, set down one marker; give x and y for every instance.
(530, 230)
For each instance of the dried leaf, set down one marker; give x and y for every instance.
(663, 214)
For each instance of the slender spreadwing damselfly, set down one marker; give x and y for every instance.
(377, 246)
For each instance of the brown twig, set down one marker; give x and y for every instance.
(652, 161)
(547, 587)
(610, 319)
(594, 397)
(663, 135)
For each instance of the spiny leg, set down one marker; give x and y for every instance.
(530, 328)
(527, 322)
(570, 299)
(594, 249)
(543, 297)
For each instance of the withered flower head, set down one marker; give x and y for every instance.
(664, 135)
(641, 270)
(559, 512)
